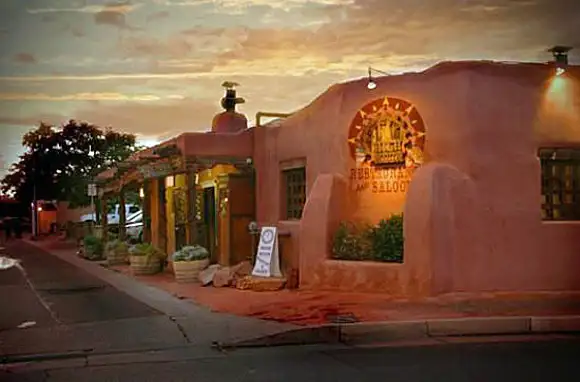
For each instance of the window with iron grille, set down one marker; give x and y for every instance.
(295, 192)
(560, 183)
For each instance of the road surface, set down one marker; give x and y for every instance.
(66, 309)
(93, 325)
(554, 360)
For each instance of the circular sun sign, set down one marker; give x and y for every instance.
(387, 132)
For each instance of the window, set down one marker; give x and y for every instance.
(560, 183)
(295, 192)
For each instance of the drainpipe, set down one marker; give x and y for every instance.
(261, 114)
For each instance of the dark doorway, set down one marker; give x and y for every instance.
(180, 223)
(162, 223)
(210, 220)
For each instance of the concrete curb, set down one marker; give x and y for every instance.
(380, 332)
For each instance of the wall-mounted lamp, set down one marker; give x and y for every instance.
(141, 193)
(560, 54)
(196, 178)
(372, 84)
(169, 181)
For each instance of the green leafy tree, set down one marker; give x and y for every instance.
(62, 161)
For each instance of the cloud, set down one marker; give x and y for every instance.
(237, 6)
(114, 14)
(78, 32)
(144, 46)
(156, 16)
(77, 97)
(159, 120)
(379, 31)
(118, 8)
(24, 58)
(27, 121)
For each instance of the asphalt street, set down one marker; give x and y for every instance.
(74, 313)
(68, 309)
(539, 360)
(71, 294)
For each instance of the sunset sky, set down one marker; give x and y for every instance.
(154, 67)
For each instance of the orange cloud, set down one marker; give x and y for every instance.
(114, 14)
(24, 58)
(156, 16)
(118, 8)
(141, 46)
(159, 120)
(77, 97)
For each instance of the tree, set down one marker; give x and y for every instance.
(62, 161)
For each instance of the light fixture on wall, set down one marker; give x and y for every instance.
(141, 193)
(372, 84)
(560, 54)
(169, 181)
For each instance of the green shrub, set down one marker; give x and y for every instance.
(117, 247)
(93, 247)
(383, 242)
(146, 249)
(352, 242)
(191, 253)
(387, 239)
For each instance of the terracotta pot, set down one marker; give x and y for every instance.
(145, 265)
(188, 271)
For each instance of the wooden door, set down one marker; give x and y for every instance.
(210, 221)
(242, 211)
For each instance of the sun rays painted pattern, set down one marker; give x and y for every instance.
(388, 132)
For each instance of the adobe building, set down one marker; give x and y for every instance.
(483, 159)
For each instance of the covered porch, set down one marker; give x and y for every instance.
(196, 189)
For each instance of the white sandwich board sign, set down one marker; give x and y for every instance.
(268, 257)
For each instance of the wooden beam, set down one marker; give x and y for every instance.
(104, 218)
(122, 216)
(191, 208)
(147, 211)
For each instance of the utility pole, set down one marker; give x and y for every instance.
(34, 201)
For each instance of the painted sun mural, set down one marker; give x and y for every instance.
(387, 132)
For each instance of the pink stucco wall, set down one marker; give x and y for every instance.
(208, 144)
(472, 212)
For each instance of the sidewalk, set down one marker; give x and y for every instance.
(447, 314)
(307, 308)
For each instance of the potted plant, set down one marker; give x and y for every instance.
(188, 262)
(117, 252)
(145, 259)
(92, 248)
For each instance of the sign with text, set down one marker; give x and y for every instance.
(387, 132)
(268, 257)
(156, 170)
(92, 190)
(380, 180)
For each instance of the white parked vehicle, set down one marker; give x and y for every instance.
(114, 216)
(134, 226)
